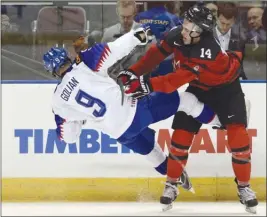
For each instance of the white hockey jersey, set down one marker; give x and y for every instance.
(86, 92)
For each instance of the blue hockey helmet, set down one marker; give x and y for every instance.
(54, 59)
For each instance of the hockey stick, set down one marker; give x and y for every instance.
(122, 90)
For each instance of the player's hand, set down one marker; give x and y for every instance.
(139, 87)
(126, 76)
(144, 34)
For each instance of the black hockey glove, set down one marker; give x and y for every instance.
(126, 76)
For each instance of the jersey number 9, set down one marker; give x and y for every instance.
(88, 101)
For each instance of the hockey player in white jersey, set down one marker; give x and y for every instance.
(86, 93)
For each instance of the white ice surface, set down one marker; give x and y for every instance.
(128, 209)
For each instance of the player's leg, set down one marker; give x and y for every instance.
(160, 106)
(150, 109)
(145, 144)
(163, 106)
(233, 115)
(200, 111)
(185, 127)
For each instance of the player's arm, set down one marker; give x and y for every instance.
(154, 56)
(122, 46)
(102, 56)
(172, 81)
(167, 83)
(188, 72)
(69, 120)
(68, 131)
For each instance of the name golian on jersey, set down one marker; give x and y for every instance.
(86, 92)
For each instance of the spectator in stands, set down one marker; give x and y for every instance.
(4, 22)
(186, 5)
(157, 14)
(7, 26)
(126, 10)
(213, 7)
(177, 8)
(161, 15)
(228, 36)
(168, 5)
(256, 33)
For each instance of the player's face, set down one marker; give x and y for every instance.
(126, 16)
(224, 25)
(189, 32)
(63, 68)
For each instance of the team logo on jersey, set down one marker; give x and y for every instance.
(175, 43)
(176, 64)
(151, 21)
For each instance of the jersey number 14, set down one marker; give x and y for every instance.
(88, 101)
(205, 53)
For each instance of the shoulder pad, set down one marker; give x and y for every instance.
(95, 56)
(174, 35)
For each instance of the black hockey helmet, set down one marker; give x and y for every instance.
(201, 16)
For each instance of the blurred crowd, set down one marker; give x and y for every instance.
(240, 25)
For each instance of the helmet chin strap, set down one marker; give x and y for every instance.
(192, 31)
(192, 38)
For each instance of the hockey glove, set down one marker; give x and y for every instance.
(139, 87)
(126, 76)
(144, 34)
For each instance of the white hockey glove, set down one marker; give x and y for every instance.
(144, 34)
(70, 131)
